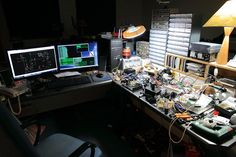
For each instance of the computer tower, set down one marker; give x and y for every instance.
(111, 49)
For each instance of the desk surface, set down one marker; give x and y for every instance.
(44, 101)
(161, 113)
(51, 99)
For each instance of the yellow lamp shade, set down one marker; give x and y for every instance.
(133, 32)
(224, 17)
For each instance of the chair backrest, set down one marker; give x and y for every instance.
(13, 140)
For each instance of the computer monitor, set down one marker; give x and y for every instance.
(32, 61)
(77, 56)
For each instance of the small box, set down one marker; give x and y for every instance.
(205, 47)
(209, 57)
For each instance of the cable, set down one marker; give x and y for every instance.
(117, 67)
(19, 106)
(169, 132)
(172, 123)
(170, 150)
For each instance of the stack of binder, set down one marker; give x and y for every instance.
(142, 49)
(158, 36)
(195, 68)
(179, 34)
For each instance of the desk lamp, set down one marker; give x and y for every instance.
(224, 17)
(131, 33)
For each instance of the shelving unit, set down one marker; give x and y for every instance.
(224, 70)
(179, 65)
(225, 67)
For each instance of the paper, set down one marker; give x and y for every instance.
(67, 73)
(203, 101)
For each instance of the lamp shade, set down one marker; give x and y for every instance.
(133, 32)
(224, 17)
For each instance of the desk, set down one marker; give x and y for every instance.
(54, 99)
(47, 100)
(158, 115)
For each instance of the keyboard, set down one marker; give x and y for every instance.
(68, 81)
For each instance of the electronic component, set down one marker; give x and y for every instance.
(228, 82)
(132, 62)
(133, 85)
(228, 107)
(129, 71)
(31, 62)
(203, 56)
(13, 92)
(142, 48)
(152, 92)
(204, 50)
(211, 129)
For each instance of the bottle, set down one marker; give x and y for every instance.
(126, 53)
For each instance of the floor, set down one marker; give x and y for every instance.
(119, 131)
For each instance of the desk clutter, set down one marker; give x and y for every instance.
(205, 109)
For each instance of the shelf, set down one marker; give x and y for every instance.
(226, 67)
(181, 67)
(187, 58)
(189, 74)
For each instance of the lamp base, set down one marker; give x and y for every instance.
(222, 57)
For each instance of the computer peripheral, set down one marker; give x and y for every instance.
(211, 129)
(99, 75)
(77, 56)
(68, 81)
(32, 62)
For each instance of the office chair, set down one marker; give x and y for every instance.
(15, 143)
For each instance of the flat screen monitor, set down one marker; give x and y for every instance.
(33, 61)
(77, 56)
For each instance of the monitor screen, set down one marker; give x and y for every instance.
(33, 61)
(77, 56)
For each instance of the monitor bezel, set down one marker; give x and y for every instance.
(81, 68)
(31, 74)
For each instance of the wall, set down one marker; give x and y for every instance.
(140, 12)
(136, 12)
(204, 8)
(129, 12)
(4, 34)
(67, 12)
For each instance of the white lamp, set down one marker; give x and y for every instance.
(224, 17)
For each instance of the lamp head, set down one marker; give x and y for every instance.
(224, 17)
(133, 32)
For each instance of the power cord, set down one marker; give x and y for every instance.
(19, 106)
(114, 70)
(182, 136)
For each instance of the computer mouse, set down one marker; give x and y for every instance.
(99, 75)
(233, 119)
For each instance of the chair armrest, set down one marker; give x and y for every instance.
(83, 148)
(29, 123)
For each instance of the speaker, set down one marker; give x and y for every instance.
(111, 49)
